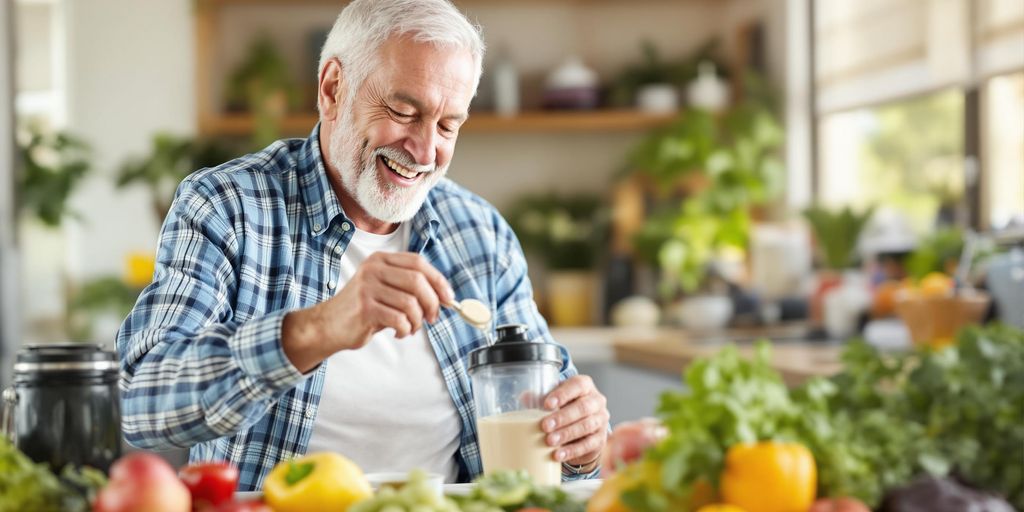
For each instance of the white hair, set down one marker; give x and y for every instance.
(364, 25)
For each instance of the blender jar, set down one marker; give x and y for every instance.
(510, 380)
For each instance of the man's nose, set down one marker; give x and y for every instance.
(422, 144)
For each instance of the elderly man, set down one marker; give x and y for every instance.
(297, 300)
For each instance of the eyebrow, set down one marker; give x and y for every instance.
(406, 98)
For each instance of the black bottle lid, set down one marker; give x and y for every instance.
(513, 346)
(64, 360)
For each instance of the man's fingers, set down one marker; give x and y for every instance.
(576, 410)
(414, 283)
(405, 303)
(384, 316)
(589, 446)
(413, 261)
(568, 391)
(588, 425)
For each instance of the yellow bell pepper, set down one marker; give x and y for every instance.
(720, 507)
(320, 481)
(769, 477)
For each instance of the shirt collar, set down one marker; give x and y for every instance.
(323, 206)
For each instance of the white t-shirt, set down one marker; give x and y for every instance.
(386, 405)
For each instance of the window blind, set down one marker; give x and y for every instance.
(871, 51)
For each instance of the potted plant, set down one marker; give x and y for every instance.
(263, 86)
(841, 292)
(566, 232)
(53, 166)
(171, 160)
(708, 172)
(654, 83)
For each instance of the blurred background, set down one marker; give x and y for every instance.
(715, 169)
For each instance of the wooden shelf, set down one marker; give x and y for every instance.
(566, 121)
(526, 122)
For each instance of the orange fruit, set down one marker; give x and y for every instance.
(884, 303)
(720, 507)
(936, 284)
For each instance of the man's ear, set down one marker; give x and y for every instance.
(331, 89)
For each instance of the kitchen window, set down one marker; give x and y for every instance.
(1003, 143)
(918, 106)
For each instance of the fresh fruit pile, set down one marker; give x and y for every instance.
(143, 481)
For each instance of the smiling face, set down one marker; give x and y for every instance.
(393, 141)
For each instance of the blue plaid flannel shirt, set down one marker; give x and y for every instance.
(250, 240)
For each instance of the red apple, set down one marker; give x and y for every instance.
(629, 441)
(210, 483)
(143, 482)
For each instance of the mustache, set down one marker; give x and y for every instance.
(403, 158)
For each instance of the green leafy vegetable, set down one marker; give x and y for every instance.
(25, 485)
(415, 496)
(508, 491)
(885, 419)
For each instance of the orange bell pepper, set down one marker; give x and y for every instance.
(769, 477)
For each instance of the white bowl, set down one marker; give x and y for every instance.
(705, 312)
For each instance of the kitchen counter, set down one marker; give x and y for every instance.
(670, 350)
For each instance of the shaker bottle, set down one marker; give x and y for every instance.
(64, 407)
(510, 380)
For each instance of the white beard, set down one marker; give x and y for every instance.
(380, 199)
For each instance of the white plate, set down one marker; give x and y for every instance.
(248, 495)
(580, 489)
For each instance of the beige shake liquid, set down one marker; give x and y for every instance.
(514, 441)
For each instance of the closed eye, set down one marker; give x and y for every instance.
(400, 115)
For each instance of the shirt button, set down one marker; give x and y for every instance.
(310, 412)
(337, 249)
(316, 227)
(330, 284)
(345, 226)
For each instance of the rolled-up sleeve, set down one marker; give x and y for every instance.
(190, 372)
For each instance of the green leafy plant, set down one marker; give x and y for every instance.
(566, 231)
(107, 294)
(54, 164)
(883, 420)
(171, 160)
(837, 232)
(938, 252)
(723, 165)
(263, 85)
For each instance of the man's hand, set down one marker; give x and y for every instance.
(389, 290)
(578, 425)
